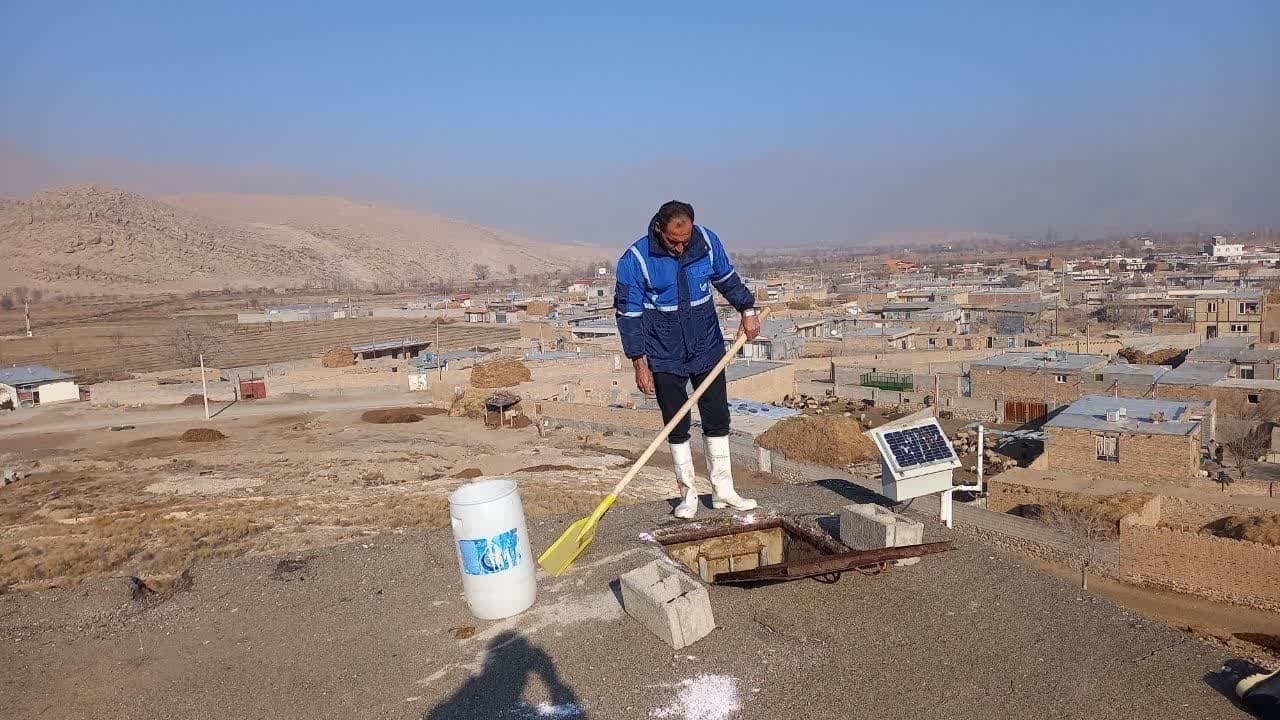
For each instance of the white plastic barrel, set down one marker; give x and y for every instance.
(493, 548)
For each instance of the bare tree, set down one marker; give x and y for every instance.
(188, 341)
(481, 271)
(1087, 526)
(512, 270)
(1243, 441)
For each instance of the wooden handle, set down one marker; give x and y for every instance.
(684, 409)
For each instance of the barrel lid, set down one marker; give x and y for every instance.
(482, 491)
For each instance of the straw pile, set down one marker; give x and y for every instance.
(338, 357)
(202, 435)
(471, 404)
(499, 373)
(1263, 529)
(833, 440)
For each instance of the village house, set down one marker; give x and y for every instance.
(29, 385)
(1106, 436)
(1237, 313)
(1030, 384)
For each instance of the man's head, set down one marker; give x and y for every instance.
(674, 226)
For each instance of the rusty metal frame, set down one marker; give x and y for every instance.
(836, 559)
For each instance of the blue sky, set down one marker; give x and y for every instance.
(809, 122)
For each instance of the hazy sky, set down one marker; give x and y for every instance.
(784, 123)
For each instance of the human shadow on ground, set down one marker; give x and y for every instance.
(498, 690)
(1224, 681)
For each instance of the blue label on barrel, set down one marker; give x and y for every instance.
(486, 556)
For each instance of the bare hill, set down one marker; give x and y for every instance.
(93, 238)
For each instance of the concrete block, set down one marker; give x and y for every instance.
(674, 606)
(867, 526)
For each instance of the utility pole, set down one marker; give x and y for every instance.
(439, 360)
(204, 384)
(26, 314)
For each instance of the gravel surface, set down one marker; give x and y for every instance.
(369, 630)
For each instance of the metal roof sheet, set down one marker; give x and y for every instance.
(388, 344)
(30, 375)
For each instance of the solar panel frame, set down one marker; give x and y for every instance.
(917, 446)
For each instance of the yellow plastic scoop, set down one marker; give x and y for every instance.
(570, 545)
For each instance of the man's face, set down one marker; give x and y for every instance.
(675, 237)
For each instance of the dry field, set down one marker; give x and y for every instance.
(95, 338)
(146, 503)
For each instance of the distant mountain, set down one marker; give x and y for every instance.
(94, 238)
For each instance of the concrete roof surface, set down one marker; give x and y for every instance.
(1041, 359)
(1232, 348)
(367, 630)
(1090, 413)
(1196, 373)
(30, 374)
(1143, 372)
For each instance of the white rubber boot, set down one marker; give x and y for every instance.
(682, 460)
(720, 469)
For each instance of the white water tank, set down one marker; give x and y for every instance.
(493, 548)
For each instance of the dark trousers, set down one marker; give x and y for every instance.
(713, 406)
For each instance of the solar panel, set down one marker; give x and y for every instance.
(920, 445)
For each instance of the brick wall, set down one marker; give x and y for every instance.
(1230, 401)
(1141, 457)
(987, 383)
(1233, 571)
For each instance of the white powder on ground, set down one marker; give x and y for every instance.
(705, 697)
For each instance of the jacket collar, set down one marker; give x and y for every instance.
(696, 248)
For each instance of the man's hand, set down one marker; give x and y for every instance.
(750, 326)
(644, 376)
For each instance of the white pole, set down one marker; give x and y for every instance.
(439, 362)
(980, 451)
(205, 385)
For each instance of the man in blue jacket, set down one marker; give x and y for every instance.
(671, 334)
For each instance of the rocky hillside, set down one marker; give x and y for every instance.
(92, 238)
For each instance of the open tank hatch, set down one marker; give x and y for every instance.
(771, 549)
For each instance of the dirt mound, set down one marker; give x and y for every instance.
(467, 474)
(521, 421)
(545, 468)
(500, 373)
(400, 415)
(202, 435)
(1168, 356)
(195, 399)
(1263, 529)
(833, 440)
(338, 357)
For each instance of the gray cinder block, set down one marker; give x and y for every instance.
(867, 526)
(671, 604)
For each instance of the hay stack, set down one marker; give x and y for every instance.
(471, 404)
(1264, 529)
(833, 440)
(338, 357)
(499, 374)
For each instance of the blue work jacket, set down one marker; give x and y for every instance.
(664, 304)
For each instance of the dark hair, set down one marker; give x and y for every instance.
(671, 210)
